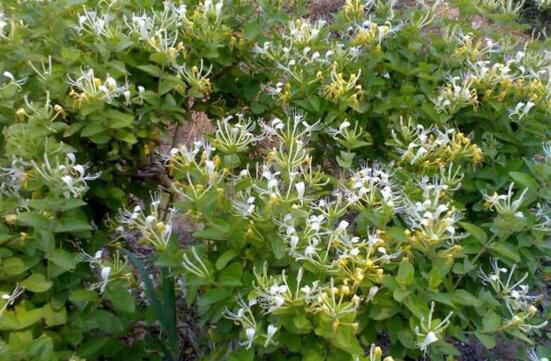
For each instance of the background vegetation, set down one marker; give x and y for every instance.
(274, 180)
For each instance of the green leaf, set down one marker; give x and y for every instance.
(505, 251)
(117, 120)
(475, 231)
(520, 335)
(35, 220)
(524, 180)
(54, 317)
(489, 341)
(127, 137)
(65, 260)
(69, 225)
(83, 295)
(52, 204)
(491, 322)
(37, 283)
(405, 276)
(13, 266)
(214, 233)
(151, 70)
(214, 295)
(417, 305)
(463, 297)
(92, 129)
(104, 321)
(72, 129)
(242, 354)
(224, 258)
(231, 275)
(121, 299)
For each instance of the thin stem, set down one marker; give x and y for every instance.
(482, 250)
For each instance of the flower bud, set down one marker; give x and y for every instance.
(10, 218)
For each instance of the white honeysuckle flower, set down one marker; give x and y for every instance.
(343, 225)
(429, 339)
(90, 22)
(3, 23)
(456, 94)
(105, 273)
(88, 86)
(250, 334)
(95, 259)
(9, 299)
(153, 223)
(300, 188)
(547, 151)
(521, 110)
(428, 332)
(372, 292)
(68, 179)
(270, 332)
(515, 293)
(504, 204)
(236, 137)
(533, 356)
(12, 80)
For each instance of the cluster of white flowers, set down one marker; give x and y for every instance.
(197, 77)
(68, 179)
(433, 220)
(154, 224)
(456, 94)
(524, 73)
(244, 204)
(200, 159)
(147, 25)
(108, 269)
(159, 30)
(374, 187)
(469, 46)
(491, 74)
(295, 48)
(100, 25)
(301, 31)
(292, 137)
(529, 61)
(521, 110)
(517, 297)
(430, 331)
(12, 177)
(275, 296)
(104, 269)
(87, 86)
(370, 33)
(515, 293)
(244, 317)
(432, 147)
(504, 204)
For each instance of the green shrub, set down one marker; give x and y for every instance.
(377, 174)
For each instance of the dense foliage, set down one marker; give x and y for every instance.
(376, 172)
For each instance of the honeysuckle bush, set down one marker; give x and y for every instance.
(377, 175)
